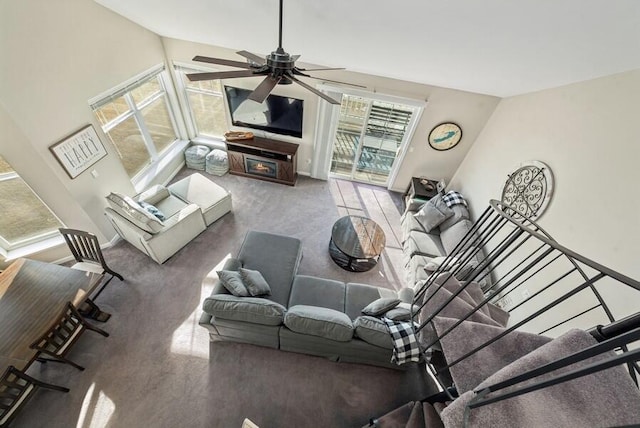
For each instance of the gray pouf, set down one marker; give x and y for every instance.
(195, 157)
(217, 162)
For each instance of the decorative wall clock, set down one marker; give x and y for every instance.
(528, 188)
(445, 136)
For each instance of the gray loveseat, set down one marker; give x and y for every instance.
(431, 230)
(303, 314)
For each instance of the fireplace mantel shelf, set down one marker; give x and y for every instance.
(272, 155)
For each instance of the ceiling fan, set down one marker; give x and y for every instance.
(278, 68)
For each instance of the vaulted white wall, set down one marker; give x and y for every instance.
(588, 134)
(54, 56)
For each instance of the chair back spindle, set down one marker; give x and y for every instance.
(16, 388)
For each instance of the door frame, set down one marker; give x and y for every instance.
(328, 119)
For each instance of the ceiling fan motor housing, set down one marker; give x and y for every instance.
(280, 64)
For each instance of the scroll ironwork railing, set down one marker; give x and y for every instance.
(544, 287)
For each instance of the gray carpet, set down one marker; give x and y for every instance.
(158, 368)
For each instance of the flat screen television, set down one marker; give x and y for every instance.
(277, 114)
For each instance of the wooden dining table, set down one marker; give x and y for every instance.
(33, 295)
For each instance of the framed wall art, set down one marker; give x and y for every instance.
(528, 188)
(445, 136)
(79, 151)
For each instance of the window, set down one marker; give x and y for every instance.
(364, 139)
(205, 102)
(138, 120)
(368, 138)
(24, 219)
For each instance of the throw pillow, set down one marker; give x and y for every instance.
(232, 281)
(254, 282)
(380, 306)
(433, 213)
(402, 312)
(153, 210)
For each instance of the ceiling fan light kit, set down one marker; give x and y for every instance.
(279, 68)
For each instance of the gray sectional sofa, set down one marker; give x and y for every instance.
(321, 316)
(303, 314)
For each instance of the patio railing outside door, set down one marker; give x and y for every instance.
(368, 138)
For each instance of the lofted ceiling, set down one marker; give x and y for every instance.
(496, 47)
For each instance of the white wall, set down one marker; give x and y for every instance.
(54, 56)
(469, 110)
(588, 134)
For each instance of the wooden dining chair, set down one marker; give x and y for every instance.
(86, 250)
(57, 341)
(16, 388)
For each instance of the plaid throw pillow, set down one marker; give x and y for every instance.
(452, 198)
(405, 343)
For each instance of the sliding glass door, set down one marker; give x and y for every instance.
(369, 135)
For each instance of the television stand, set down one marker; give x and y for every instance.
(264, 159)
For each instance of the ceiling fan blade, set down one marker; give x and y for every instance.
(336, 81)
(320, 69)
(253, 57)
(194, 77)
(314, 90)
(264, 89)
(221, 61)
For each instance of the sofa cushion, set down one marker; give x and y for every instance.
(154, 194)
(380, 306)
(408, 223)
(452, 236)
(313, 291)
(317, 321)
(249, 309)
(373, 330)
(426, 244)
(232, 281)
(254, 282)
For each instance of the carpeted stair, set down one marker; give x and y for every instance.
(414, 414)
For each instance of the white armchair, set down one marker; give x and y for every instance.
(159, 239)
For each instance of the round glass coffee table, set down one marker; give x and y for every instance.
(356, 243)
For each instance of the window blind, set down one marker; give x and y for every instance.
(125, 87)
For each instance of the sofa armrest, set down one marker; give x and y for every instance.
(406, 294)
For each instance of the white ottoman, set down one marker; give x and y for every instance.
(217, 162)
(196, 157)
(213, 200)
